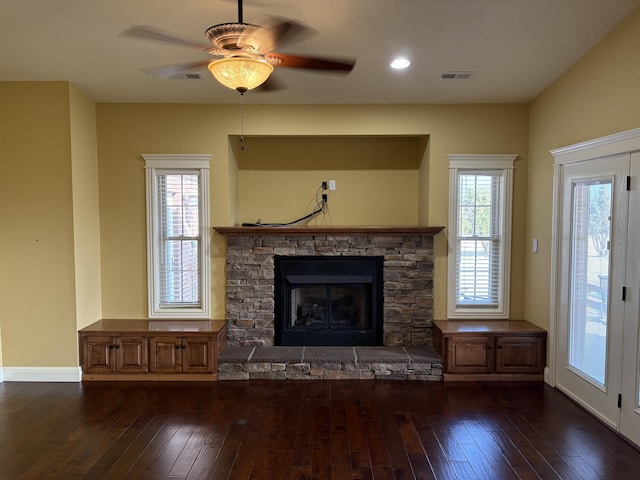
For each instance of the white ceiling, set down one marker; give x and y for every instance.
(516, 47)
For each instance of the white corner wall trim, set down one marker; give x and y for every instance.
(42, 374)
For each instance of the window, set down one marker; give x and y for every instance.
(479, 235)
(178, 235)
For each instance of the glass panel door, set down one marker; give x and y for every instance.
(592, 265)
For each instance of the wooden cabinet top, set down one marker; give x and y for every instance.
(145, 327)
(450, 327)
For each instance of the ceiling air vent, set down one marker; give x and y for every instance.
(186, 76)
(456, 75)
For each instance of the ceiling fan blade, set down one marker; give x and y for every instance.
(274, 33)
(169, 71)
(148, 32)
(338, 65)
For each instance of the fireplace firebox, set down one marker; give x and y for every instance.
(328, 300)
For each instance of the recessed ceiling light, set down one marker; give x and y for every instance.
(400, 63)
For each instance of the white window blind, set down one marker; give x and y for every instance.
(178, 235)
(180, 243)
(480, 235)
(478, 259)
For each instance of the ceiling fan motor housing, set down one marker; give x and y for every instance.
(234, 38)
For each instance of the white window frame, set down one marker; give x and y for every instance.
(156, 164)
(466, 163)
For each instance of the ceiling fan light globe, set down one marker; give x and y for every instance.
(240, 73)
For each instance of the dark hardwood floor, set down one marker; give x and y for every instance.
(304, 430)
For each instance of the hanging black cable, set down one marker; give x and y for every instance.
(320, 207)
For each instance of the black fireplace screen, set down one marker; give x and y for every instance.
(328, 300)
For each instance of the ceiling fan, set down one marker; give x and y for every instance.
(246, 52)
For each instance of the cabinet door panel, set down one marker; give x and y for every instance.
(165, 354)
(470, 355)
(131, 354)
(197, 355)
(97, 357)
(519, 354)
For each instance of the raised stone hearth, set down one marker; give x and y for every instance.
(329, 363)
(407, 273)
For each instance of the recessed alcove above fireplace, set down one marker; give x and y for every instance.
(407, 276)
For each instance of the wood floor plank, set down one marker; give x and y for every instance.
(394, 445)
(321, 465)
(205, 461)
(225, 459)
(122, 465)
(420, 467)
(435, 455)
(355, 426)
(124, 435)
(375, 438)
(282, 465)
(361, 465)
(492, 455)
(447, 440)
(145, 464)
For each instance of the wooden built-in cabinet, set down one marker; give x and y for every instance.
(490, 350)
(152, 349)
(111, 354)
(172, 354)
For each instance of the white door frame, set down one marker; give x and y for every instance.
(600, 148)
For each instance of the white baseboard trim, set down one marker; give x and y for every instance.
(1, 375)
(42, 374)
(547, 377)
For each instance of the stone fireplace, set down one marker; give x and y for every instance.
(406, 255)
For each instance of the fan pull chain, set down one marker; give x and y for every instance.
(242, 146)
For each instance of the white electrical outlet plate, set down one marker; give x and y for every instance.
(332, 184)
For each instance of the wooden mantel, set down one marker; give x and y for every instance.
(327, 230)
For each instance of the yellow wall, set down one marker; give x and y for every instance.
(127, 130)
(37, 292)
(379, 197)
(86, 211)
(598, 96)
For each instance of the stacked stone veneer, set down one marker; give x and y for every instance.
(407, 271)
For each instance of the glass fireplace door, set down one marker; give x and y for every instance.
(328, 307)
